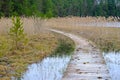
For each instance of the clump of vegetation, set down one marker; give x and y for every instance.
(65, 46)
(17, 33)
(4, 46)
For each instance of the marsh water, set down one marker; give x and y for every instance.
(113, 62)
(99, 24)
(53, 67)
(50, 68)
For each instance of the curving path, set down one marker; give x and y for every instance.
(87, 63)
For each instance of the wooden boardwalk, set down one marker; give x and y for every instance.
(87, 63)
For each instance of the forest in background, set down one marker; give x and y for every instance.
(59, 8)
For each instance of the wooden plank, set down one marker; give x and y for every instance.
(87, 63)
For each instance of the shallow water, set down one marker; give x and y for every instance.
(113, 63)
(100, 24)
(50, 68)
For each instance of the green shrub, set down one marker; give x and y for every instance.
(17, 34)
(4, 46)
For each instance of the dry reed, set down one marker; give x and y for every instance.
(106, 38)
(41, 43)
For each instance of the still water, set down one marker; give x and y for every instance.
(50, 68)
(53, 67)
(113, 63)
(99, 24)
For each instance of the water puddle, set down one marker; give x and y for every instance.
(113, 63)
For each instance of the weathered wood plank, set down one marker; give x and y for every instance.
(87, 63)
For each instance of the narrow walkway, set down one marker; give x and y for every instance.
(87, 63)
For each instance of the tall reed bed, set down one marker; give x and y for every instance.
(32, 25)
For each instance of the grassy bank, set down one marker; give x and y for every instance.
(65, 46)
(105, 38)
(41, 43)
(14, 63)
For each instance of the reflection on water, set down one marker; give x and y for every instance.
(113, 62)
(50, 68)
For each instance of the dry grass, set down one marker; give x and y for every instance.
(107, 39)
(31, 25)
(41, 44)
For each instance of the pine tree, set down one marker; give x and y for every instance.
(17, 33)
(111, 8)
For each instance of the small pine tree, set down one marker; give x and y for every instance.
(17, 33)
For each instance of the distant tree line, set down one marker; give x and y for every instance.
(55, 8)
